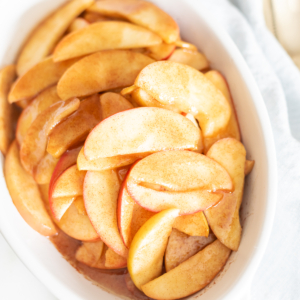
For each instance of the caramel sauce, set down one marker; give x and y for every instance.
(112, 281)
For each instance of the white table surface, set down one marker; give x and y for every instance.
(16, 281)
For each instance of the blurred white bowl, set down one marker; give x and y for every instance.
(18, 17)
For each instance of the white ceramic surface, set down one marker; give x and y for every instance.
(258, 208)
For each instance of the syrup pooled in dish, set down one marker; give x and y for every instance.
(123, 146)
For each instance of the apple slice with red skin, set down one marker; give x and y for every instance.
(140, 130)
(25, 194)
(38, 78)
(146, 252)
(232, 129)
(190, 276)
(44, 170)
(68, 159)
(142, 13)
(107, 70)
(76, 127)
(106, 163)
(100, 192)
(112, 103)
(34, 144)
(39, 104)
(131, 216)
(7, 75)
(104, 36)
(42, 40)
(184, 179)
(224, 218)
(182, 246)
(76, 225)
(162, 51)
(194, 59)
(189, 90)
(67, 186)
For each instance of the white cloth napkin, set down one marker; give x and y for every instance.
(278, 79)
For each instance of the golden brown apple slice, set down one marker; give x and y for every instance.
(249, 164)
(162, 51)
(131, 216)
(34, 144)
(142, 13)
(104, 36)
(106, 163)
(187, 180)
(112, 103)
(190, 276)
(78, 202)
(194, 225)
(89, 253)
(7, 75)
(232, 129)
(224, 218)
(194, 59)
(140, 130)
(106, 70)
(100, 192)
(182, 246)
(146, 252)
(67, 160)
(39, 104)
(76, 127)
(77, 226)
(25, 194)
(78, 24)
(42, 40)
(38, 78)
(93, 17)
(44, 170)
(189, 90)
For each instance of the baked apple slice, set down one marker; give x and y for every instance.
(182, 246)
(162, 51)
(190, 276)
(25, 194)
(100, 192)
(42, 40)
(39, 77)
(34, 144)
(77, 24)
(43, 172)
(194, 59)
(187, 180)
(104, 36)
(89, 253)
(39, 104)
(224, 218)
(189, 90)
(67, 186)
(76, 127)
(142, 13)
(131, 216)
(140, 130)
(106, 70)
(112, 103)
(76, 225)
(193, 225)
(146, 252)
(232, 129)
(7, 76)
